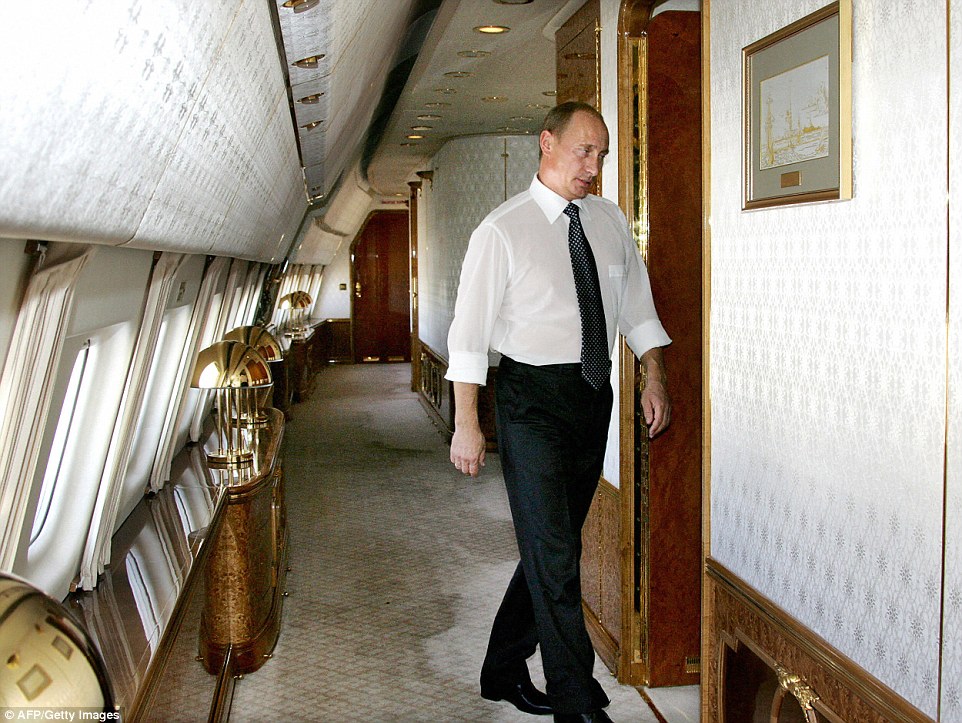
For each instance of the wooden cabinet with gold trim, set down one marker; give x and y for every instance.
(245, 572)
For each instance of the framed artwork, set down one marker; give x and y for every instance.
(798, 111)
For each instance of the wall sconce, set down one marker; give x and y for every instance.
(296, 304)
(235, 370)
(426, 176)
(299, 6)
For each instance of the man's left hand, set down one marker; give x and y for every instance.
(656, 405)
(655, 402)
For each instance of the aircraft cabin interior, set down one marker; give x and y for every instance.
(231, 239)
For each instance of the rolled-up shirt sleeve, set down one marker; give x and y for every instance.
(638, 320)
(484, 274)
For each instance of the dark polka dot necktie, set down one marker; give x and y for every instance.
(595, 357)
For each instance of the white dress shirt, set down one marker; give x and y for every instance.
(517, 292)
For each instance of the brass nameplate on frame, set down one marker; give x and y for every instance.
(790, 180)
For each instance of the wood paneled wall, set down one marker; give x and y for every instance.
(333, 343)
(577, 60)
(673, 187)
(601, 573)
(751, 643)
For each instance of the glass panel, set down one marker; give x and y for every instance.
(60, 439)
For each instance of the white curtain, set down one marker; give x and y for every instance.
(26, 388)
(234, 297)
(160, 472)
(313, 286)
(252, 292)
(96, 553)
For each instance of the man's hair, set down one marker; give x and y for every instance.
(560, 116)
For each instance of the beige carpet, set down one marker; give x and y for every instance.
(398, 567)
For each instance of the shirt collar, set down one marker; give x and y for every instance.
(551, 204)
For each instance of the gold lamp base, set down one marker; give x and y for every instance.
(253, 420)
(229, 459)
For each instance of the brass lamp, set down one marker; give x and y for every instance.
(234, 369)
(50, 660)
(259, 338)
(296, 304)
(268, 347)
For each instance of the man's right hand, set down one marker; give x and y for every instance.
(467, 444)
(467, 450)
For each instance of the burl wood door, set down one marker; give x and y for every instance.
(381, 293)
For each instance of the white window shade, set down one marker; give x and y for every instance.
(26, 387)
(97, 551)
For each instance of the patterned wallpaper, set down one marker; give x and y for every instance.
(471, 178)
(828, 354)
(137, 132)
(952, 621)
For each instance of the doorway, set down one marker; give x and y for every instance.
(381, 312)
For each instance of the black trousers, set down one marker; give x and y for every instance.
(552, 433)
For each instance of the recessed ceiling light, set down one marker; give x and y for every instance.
(299, 6)
(494, 98)
(415, 136)
(309, 62)
(492, 29)
(437, 104)
(549, 93)
(421, 128)
(458, 74)
(446, 91)
(473, 54)
(537, 106)
(429, 116)
(312, 125)
(309, 99)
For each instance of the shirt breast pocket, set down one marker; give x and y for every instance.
(616, 270)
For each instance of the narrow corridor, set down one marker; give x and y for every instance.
(398, 565)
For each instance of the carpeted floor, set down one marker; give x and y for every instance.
(398, 565)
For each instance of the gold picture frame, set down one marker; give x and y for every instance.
(797, 111)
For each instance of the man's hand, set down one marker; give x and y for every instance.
(467, 450)
(467, 444)
(655, 401)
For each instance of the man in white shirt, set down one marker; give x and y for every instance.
(527, 291)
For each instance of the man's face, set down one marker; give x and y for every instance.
(571, 159)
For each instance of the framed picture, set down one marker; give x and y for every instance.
(798, 111)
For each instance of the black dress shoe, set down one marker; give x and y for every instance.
(523, 696)
(595, 716)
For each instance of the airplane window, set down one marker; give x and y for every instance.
(54, 556)
(59, 445)
(168, 355)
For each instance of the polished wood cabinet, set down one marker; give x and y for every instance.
(244, 579)
(193, 593)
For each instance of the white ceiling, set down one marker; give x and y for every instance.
(520, 68)
(363, 40)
